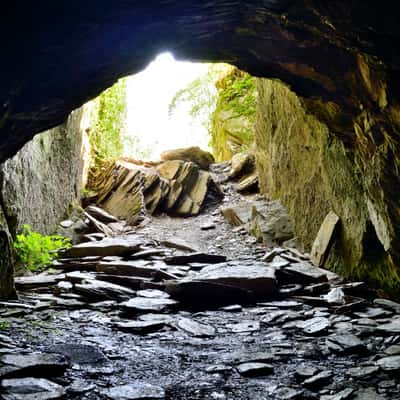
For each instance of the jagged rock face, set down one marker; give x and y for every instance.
(175, 187)
(301, 162)
(232, 122)
(45, 177)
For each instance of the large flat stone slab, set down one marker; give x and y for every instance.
(303, 273)
(195, 257)
(143, 305)
(137, 390)
(195, 328)
(105, 247)
(31, 389)
(257, 278)
(324, 239)
(201, 294)
(35, 364)
(101, 290)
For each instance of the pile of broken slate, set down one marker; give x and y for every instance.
(147, 287)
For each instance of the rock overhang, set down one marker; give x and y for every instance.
(58, 56)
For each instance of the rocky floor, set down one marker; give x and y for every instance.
(195, 309)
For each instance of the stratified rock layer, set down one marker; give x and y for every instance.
(127, 190)
(313, 172)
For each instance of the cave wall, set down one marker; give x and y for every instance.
(45, 176)
(303, 163)
(39, 183)
(232, 122)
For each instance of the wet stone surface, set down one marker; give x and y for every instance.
(139, 340)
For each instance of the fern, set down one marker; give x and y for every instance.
(36, 251)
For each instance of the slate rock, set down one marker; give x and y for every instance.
(105, 247)
(303, 273)
(367, 394)
(388, 304)
(248, 183)
(391, 328)
(130, 268)
(78, 353)
(315, 326)
(244, 326)
(232, 308)
(217, 369)
(31, 389)
(287, 393)
(346, 343)
(100, 214)
(393, 350)
(35, 365)
(196, 329)
(255, 369)
(305, 372)
(195, 258)
(140, 327)
(143, 304)
(136, 390)
(389, 364)
(342, 395)
(207, 226)
(179, 244)
(201, 294)
(362, 372)
(25, 282)
(256, 278)
(101, 290)
(152, 294)
(318, 381)
(324, 239)
(145, 254)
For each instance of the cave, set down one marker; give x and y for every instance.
(326, 148)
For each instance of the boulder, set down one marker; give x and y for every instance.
(189, 186)
(119, 187)
(191, 154)
(225, 283)
(268, 221)
(242, 164)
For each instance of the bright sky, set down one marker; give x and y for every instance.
(148, 95)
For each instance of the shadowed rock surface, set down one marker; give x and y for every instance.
(341, 58)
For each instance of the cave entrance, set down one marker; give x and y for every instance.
(173, 104)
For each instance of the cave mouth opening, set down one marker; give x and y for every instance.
(168, 105)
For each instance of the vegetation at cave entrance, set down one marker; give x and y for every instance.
(232, 124)
(224, 101)
(108, 123)
(36, 251)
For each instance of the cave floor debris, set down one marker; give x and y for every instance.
(195, 309)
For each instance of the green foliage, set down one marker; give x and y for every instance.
(133, 145)
(238, 94)
(36, 251)
(200, 96)
(4, 325)
(234, 116)
(108, 123)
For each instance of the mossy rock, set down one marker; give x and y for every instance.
(194, 154)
